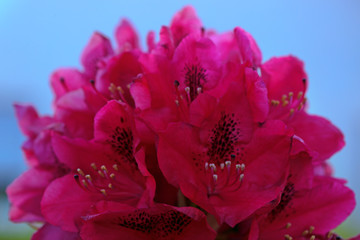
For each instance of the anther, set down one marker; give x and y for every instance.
(288, 237)
(115, 167)
(311, 229)
(88, 177)
(228, 164)
(187, 89)
(305, 233)
(101, 173)
(177, 102)
(241, 177)
(222, 166)
(212, 166)
(215, 178)
(93, 166)
(242, 167)
(199, 90)
(291, 94)
(103, 168)
(232, 156)
(80, 172)
(103, 191)
(284, 103)
(84, 183)
(312, 237)
(206, 166)
(120, 90)
(330, 235)
(300, 94)
(288, 225)
(238, 166)
(112, 176)
(110, 186)
(292, 111)
(283, 97)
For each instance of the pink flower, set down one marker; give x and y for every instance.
(111, 167)
(195, 138)
(221, 160)
(287, 83)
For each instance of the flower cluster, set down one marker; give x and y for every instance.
(193, 138)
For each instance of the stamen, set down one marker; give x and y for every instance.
(300, 94)
(177, 102)
(311, 229)
(291, 94)
(222, 166)
(101, 173)
(215, 178)
(305, 233)
(94, 166)
(288, 237)
(115, 167)
(112, 176)
(212, 166)
(103, 191)
(104, 168)
(110, 186)
(241, 177)
(312, 237)
(292, 111)
(285, 103)
(187, 90)
(120, 90)
(84, 182)
(206, 166)
(288, 225)
(199, 90)
(242, 167)
(80, 172)
(88, 177)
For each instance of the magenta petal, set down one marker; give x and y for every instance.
(126, 36)
(113, 115)
(29, 121)
(257, 95)
(26, 192)
(249, 50)
(65, 80)
(283, 75)
(98, 47)
(52, 232)
(185, 22)
(324, 207)
(318, 133)
(64, 202)
(158, 222)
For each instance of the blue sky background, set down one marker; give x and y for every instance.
(38, 36)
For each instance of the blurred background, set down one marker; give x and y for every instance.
(38, 36)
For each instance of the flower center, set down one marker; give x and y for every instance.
(195, 77)
(290, 102)
(161, 225)
(286, 197)
(122, 141)
(224, 169)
